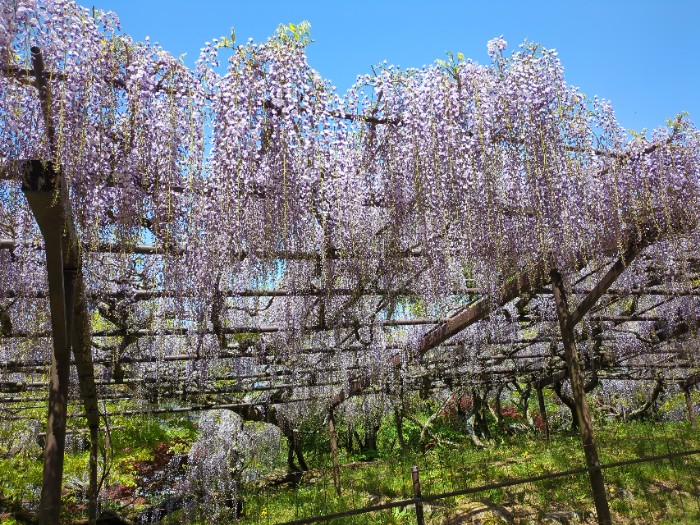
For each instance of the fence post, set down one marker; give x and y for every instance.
(417, 496)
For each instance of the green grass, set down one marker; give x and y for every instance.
(659, 492)
(650, 493)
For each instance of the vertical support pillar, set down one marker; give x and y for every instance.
(582, 411)
(40, 185)
(543, 412)
(52, 479)
(420, 518)
(334, 451)
(689, 407)
(47, 195)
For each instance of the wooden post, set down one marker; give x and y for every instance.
(48, 196)
(37, 188)
(584, 416)
(420, 519)
(543, 413)
(70, 327)
(689, 406)
(334, 452)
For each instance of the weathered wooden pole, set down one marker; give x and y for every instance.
(584, 416)
(689, 407)
(39, 188)
(48, 198)
(334, 451)
(420, 518)
(543, 412)
(567, 322)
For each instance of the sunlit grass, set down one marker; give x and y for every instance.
(660, 492)
(665, 491)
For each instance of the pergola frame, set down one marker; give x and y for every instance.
(74, 341)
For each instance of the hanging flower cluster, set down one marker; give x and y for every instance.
(416, 183)
(124, 122)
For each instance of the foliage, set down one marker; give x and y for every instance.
(299, 33)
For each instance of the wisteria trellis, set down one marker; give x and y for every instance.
(429, 180)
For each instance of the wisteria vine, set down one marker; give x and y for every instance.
(414, 185)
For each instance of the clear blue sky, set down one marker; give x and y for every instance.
(643, 55)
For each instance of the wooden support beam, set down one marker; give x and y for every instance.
(634, 249)
(334, 451)
(47, 193)
(582, 411)
(481, 308)
(531, 281)
(176, 250)
(40, 185)
(689, 406)
(145, 295)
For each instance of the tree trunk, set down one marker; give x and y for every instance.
(398, 420)
(481, 425)
(577, 388)
(641, 411)
(47, 194)
(82, 352)
(469, 422)
(498, 411)
(569, 402)
(371, 431)
(293, 449)
(348, 442)
(299, 452)
(54, 449)
(291, 466)
(469, 426)
(524, 402)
